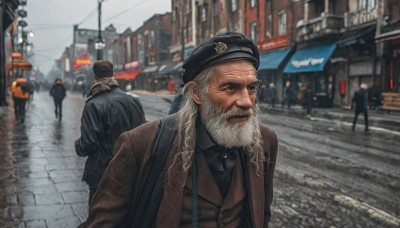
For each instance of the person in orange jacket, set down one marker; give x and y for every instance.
(20, 94)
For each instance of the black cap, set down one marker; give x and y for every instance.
(221, 48)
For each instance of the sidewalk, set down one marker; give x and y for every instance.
(390, 121)
(40, 173)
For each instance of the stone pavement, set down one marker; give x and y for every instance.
(40, 174)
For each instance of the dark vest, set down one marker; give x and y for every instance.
(214, 210)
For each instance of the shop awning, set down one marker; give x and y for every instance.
(309, 60)
(170, 68)
(150, 69)
(352, 37)
(127, 75)
(395, 34)
(272, 60)
(19, 65)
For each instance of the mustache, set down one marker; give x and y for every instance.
(238, 112)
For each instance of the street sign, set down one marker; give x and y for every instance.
(22, 23)
(22, 13)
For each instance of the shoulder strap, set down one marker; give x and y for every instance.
(151, 192)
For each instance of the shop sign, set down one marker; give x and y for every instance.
(307, 62)
(274, 43)
(131, 65)
(82, 62)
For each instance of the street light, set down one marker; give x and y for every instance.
(99, 45)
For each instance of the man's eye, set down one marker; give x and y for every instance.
(231, 88)
(253, 87)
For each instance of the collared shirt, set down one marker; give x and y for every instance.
(221, 160)
(203, 139)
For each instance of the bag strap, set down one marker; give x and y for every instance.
(151, 191)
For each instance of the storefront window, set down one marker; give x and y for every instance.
(321, 84)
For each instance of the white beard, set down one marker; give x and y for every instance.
(224, 133)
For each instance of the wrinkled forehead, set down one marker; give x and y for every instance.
(240, 66)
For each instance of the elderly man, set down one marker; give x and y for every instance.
(220, 165)
(108, 113)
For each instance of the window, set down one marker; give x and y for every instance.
(253, 31)
(282, 23)
(253, 3)
(204, 13)
(368, 5)
(268, 31)
(371, 5)
(361, 4)
(234, 5)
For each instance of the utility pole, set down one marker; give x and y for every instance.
(3, 75)
(99, 45)
(182, 22)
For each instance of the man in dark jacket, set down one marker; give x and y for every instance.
(360, 99)
(108, 112)
(220, 165)
(58, 93)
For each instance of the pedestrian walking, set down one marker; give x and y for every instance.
(288, 95)
(219, 166)
(272, 95)
(20, 94)
(375, 98)
(175, 104)
(108, 112)
(58, 92)
(262, 94)
(360, 101)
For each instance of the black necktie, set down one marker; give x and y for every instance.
(221, 162)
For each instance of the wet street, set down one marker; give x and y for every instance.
(40, 174)
(326, 176)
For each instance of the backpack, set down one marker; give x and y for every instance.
(151, 190)
(24, 86)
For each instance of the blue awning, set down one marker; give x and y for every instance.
(309, 60)
(272, 60)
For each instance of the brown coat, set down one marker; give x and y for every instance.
(118, 186)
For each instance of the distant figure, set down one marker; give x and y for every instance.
(360, 99)
(262, 94)
(171, 86)
(108, 113)
(288, 95)
(272, 95)
(58, 92)
(20, 94)
(176, 103)
(375, 97)
(30, 88)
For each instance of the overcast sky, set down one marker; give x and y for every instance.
(52, 21)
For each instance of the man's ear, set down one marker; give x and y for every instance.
(194, 92)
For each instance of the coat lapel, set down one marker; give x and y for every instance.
(256, 194)
(171, 204)
(236, 191)
(207, 187)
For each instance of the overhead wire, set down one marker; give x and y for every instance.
(124, 11)
(56, 46)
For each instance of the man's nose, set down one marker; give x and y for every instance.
(245, 100)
